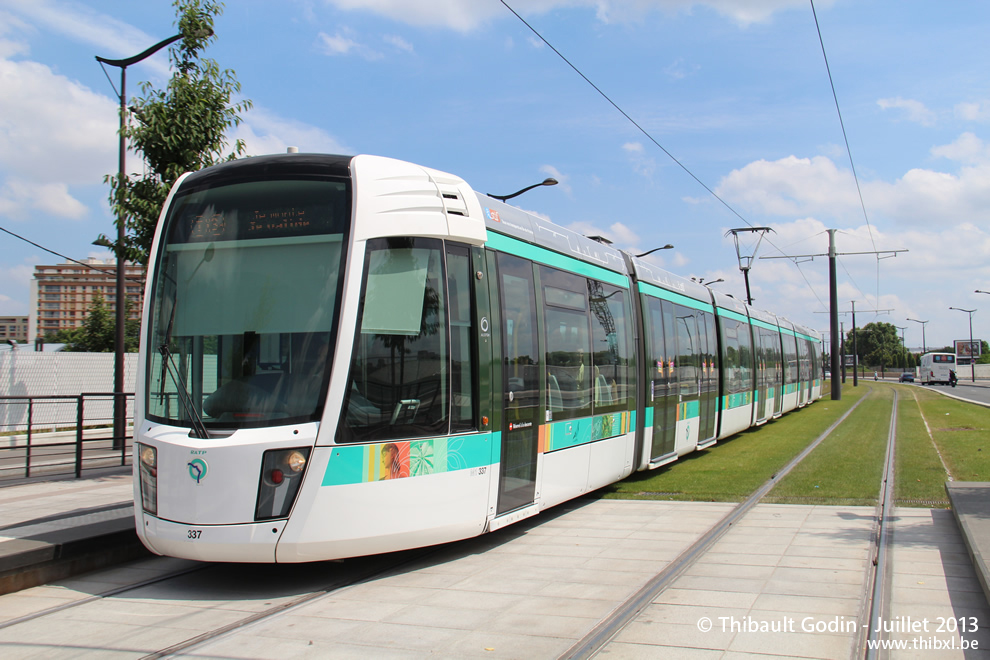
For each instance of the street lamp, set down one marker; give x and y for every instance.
(668, 246)
(972, 356)
(903, 343)
(545, 182)
(701, 281)
(978, 291)
(119, 406)
(924, 345)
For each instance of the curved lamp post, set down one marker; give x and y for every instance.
(668, 246)
(972, 357)
(545, 182)
(924, 345)
(119, 406)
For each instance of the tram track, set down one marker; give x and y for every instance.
(625, 613)
(880, 577)
(357, 570)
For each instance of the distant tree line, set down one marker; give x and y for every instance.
(879, 346)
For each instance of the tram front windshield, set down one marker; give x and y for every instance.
(245, 303)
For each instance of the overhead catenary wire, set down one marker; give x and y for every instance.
(75, 261)
(845, 138)
(647, 134)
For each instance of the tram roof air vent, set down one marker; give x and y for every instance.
(453, 203)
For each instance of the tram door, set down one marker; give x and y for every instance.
(709, 383)
(521, 385)
(763, 376)
(778, 379)
(663, 379)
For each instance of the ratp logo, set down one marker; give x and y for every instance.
(197, 469)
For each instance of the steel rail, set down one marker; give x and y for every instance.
(879, 580)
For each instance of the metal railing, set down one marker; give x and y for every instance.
(56, 435)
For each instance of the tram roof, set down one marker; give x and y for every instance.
(274, 164)
(511, 221)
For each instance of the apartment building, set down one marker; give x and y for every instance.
(13, 327)
(61, 295)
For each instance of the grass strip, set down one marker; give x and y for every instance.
(847, 467)
(960, 431)
(736, 466)
(920, 477)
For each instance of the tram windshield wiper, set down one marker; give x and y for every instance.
(199, 429)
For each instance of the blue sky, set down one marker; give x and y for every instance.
(736, 90)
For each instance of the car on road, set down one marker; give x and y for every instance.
(906, 377)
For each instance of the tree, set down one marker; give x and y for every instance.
(179, 129)
(877, 344)
(98, 332)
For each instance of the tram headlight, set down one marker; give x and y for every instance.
(148, 471)
(281, 476)
(296, 461)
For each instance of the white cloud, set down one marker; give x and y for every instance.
(467, 15)
(908, 283)
(974, 111)
(915, 110)
(562, 179)
(641, 163)
(343, 43)
(678, 70)
(792, 186)
(19, 199)
(264, 132)
(9, 48)
(399, 43)
(43, 115)
(113, 38)
(967, 148)
(795, 186)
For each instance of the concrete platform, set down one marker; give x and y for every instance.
(53, 529)
(784, 581)
(971, 506)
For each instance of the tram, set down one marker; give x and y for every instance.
(345, 356)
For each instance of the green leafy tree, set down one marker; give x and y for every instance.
(877, 344)
(179, 129)
(98, 332)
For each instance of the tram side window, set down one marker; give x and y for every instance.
(610, 357)
(771, 342)
(738, 359)
(398, 381)
(462, 415)
(688, 351)
(790, 357)
(568, 345)
(804, 349)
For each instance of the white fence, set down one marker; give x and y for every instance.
(27, 373)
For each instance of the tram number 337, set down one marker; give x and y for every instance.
(194, 533)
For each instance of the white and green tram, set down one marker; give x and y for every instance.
(353, 355)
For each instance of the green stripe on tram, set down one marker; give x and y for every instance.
(674, 297)
(729, 314)
(549, 258)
